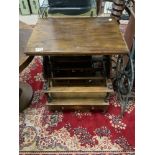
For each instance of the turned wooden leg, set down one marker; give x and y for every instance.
(49, 97)
(106, 99)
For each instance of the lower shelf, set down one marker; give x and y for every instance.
(67, 104)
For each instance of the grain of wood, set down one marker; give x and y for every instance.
(83, 102)
(76, 36)
(78, 90)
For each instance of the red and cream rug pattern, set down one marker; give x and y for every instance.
(46, 132)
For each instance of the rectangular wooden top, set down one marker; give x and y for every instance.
(76, 36)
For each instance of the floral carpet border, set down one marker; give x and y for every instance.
(76, 153)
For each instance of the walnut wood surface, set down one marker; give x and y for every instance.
(24, 34)
(79, 102)
(76, 36)
(79, 92)
(78, 78)
(79, 89)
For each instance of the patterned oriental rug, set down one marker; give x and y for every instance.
(44, 132)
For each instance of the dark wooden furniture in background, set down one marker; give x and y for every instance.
(130, 30)
(99, 6)
(24, 34)
(70, 48)
(25, 90)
